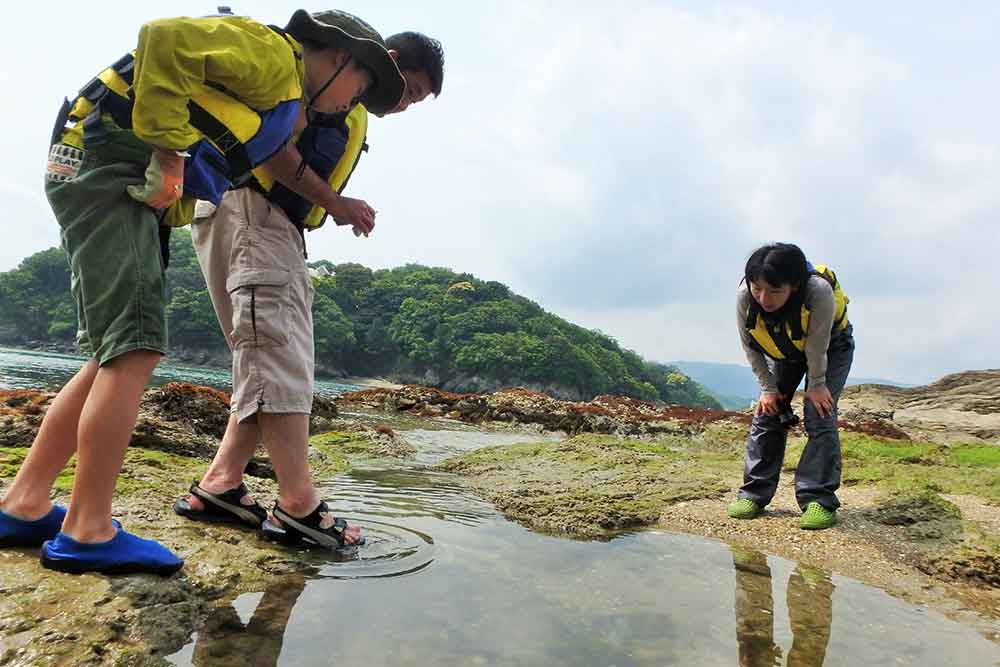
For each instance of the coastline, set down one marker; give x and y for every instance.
(918, 521)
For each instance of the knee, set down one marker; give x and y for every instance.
(766, 424)
(816, 425)
(138, 361)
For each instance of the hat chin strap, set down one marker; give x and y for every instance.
(322, 89)
(312, 113)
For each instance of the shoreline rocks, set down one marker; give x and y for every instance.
(605, 414)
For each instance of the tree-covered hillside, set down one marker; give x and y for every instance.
(413, 323)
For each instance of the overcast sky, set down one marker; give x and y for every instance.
(617, 162)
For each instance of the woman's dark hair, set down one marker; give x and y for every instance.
(777, 264)
(419, 52)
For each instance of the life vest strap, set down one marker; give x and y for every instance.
(232, 148)
(781, 340)
(784, 343)
(125, 68)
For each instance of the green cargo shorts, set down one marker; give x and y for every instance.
(113, 246)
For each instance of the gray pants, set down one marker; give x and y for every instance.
(817, 477)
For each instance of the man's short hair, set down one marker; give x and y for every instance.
(419, 52)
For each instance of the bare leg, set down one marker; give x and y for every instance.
(226, 470)
(105, 428)
(28, 496)
(286, 437)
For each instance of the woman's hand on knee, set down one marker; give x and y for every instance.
(769, 404)
(822, 399)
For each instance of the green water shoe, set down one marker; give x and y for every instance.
(817, 517)
(744, 508)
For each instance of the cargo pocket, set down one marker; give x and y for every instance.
(260, 298)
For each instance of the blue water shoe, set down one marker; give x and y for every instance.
(16, 532)
(124, 553)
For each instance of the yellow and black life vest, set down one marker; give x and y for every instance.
(235, 138)
(786, 340)
(333, 152)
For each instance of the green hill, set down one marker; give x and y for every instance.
(413, 323)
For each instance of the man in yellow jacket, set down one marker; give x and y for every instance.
(251, 251)
(199, 104)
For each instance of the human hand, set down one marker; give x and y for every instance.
(822, 399)
(769, 404)
(354, 212)
(164, 180)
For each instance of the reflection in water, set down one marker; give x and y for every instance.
(468, 587)
(226, 640)
(810, 612)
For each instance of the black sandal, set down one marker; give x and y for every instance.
(222, 507)
(307, 529)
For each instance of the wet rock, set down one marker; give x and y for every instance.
(909, 510)
(177, 418)
(204, 409)
(388, 443)
(167, 628)
(975, 564)
(957, 408)
(879, 427)
(323, 407)
(605, 414)
(588, 487)
(360, 441)
(150, 591)
(260, 466)
(21, 413)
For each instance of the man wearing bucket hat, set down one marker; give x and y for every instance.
(263, 300)
(194, 109)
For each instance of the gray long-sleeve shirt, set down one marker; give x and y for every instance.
(822, 307)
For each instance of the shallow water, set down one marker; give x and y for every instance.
(446, 580)
(27, 369)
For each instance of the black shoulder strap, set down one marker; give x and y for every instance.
(753, 311)
(784, 343)
(237, 159)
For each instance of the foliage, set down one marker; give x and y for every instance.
(408, 321)
(35, 299)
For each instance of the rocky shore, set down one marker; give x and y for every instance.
(920, 519)
(611, 415)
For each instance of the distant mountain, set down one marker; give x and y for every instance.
(735, 385)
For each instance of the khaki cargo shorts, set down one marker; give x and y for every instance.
(252, 259)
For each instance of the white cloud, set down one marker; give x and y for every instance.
(619, 166)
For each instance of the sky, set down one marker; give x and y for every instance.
(618, 162)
